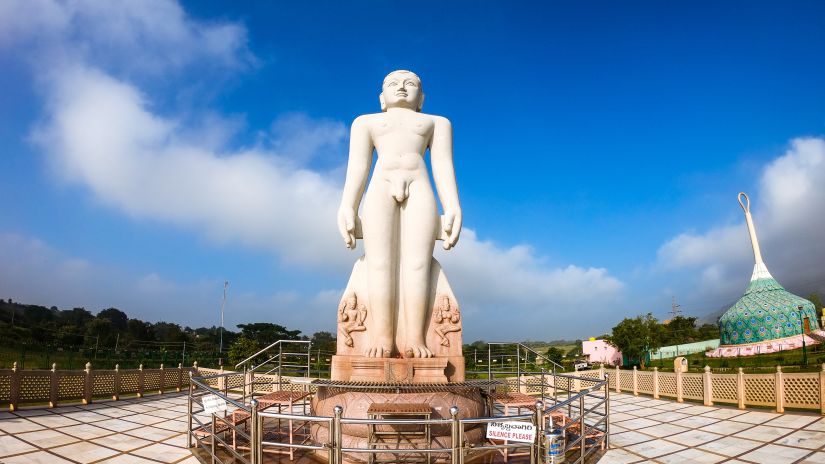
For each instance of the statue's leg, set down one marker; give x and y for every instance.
(419, 219)
(379, 224)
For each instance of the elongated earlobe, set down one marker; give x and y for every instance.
(420, 102)
(383, 103)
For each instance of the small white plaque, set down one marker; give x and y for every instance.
(213, 404)
(512, 431)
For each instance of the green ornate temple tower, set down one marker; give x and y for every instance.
(766, 311)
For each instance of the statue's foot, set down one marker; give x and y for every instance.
(379, 349)
(418, 350)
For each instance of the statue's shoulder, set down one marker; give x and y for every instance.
(367, 119)
(440, 120)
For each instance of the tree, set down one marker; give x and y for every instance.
(118, 318)
(576, 351)
(555, 354)
(708, 332)
(241, 349)
(680, 330)
(635, 336)
(139, 330)
(168, 332)
(814, 298)
(323, 341)
(265, 333)
(99, 333)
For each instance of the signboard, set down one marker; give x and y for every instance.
(213, 404)
(512, 431)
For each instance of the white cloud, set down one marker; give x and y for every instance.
(104, 133)
(787, 210)
(101, 135)
(150, 36)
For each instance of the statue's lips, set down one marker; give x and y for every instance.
(400, 94)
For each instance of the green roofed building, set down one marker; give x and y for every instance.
(767, 318)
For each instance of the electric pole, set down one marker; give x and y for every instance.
(675, 310)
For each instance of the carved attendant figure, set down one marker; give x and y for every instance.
(353, 316)
(400, 216)
(446, 315)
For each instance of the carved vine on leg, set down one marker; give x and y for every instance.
(353, 316)
(446, 316)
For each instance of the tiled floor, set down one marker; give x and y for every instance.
(147, 430)
(661, 431)
(152, 430)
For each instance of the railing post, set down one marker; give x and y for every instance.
(780, 391)
(161, 380)
(214, 439)
(518, 369)
(180, 376)
(189, 443)
(544, 385)
(822, 390)
(538, 419)
(336, 434)
(707, 382)
(607, 413)
(255, 444)
(116, 387)
(679, 392)
(618, 380)
(222, 382)
(87, 385)
(740, 388)
(655, 382)
(455, 433)
(635, 381)
(141, 381)
(582, 429)
(14, 391)
(55, 385)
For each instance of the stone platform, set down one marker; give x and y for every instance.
(403, 370)
(356, 400)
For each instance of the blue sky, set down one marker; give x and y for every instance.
(152, 150)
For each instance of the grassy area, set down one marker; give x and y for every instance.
(74, 360)
(791, 360)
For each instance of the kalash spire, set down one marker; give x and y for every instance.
(767, 317)
(760, 271)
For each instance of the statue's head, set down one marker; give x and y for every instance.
(402, 89)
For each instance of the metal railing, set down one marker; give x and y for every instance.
(581, 417)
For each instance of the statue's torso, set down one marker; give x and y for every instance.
(401, 140)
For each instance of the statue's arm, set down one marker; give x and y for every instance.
(441, 154)
(358, 169)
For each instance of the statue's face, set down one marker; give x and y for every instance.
(402, 90)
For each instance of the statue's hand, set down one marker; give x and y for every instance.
(346, 226)
(452, 227)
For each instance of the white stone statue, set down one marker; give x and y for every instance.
(400, 221)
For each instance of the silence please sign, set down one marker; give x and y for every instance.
(512, 431)
(213, 404)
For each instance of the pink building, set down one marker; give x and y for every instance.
(599, 351)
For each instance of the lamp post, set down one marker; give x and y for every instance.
(223, 304)
(802, 327)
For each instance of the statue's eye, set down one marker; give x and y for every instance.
(392, 83)
(411, 83)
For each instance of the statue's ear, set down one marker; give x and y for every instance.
(383, 102)
(420, 102)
